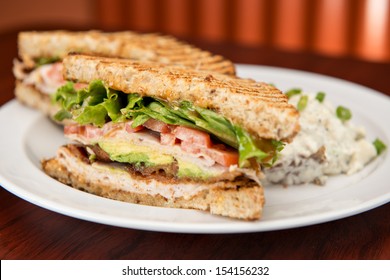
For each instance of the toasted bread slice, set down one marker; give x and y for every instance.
(259, 108)
(241, 200)
(34, 98)
(30, 96)
(145, 47)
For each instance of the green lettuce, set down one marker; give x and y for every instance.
(184, 114)
(46, 60)
(140, 109)
(247, 148)
(98, 104)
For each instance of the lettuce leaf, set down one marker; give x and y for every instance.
(46, 60)
(98, 104)
(247, 148)
(211, 122)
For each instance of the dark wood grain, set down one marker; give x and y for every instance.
(31, 232)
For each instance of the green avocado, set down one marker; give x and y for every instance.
(126, 152)
(191, 170)
(129, 153)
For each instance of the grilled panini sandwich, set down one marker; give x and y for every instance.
(169, 136)
(39, 71)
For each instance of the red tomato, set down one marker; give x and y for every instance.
(92, 132)
(225, 157)
(219, 152)
(131, 129)
(74, 129)
(54, 73)
(157, 126)
(193, 136)
(87, 131)
(70, 129)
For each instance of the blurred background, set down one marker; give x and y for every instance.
(359, 28)
(356, 29)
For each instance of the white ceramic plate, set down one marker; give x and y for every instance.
(27, 137)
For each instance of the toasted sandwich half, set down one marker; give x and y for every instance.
(167, 136)
(39, 71)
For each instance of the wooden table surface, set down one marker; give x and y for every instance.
(31, 232)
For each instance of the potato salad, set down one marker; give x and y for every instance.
(327, 144)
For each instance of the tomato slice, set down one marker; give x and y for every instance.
(54, 73)
(222, 155)
(219, 152)
(193, 136)
(196, 141)
(157, 126)
(74, 129)
(86, 131)
(131, 129)
(92, 132)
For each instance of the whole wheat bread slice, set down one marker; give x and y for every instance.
(145, 47)
(241, 200)
(30, 96)
(259, 108)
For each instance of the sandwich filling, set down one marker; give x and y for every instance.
(150, 153)
(46, 77)
(76, 158)
(153, 137)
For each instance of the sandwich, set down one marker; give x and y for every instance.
(38, 73)
(168, 136)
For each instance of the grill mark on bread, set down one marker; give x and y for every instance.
(150, 47)
(258, 107)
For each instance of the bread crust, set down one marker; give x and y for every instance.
(30, 96)
(258, 107)
(34, 98)
(228, 199)
(144, 47)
